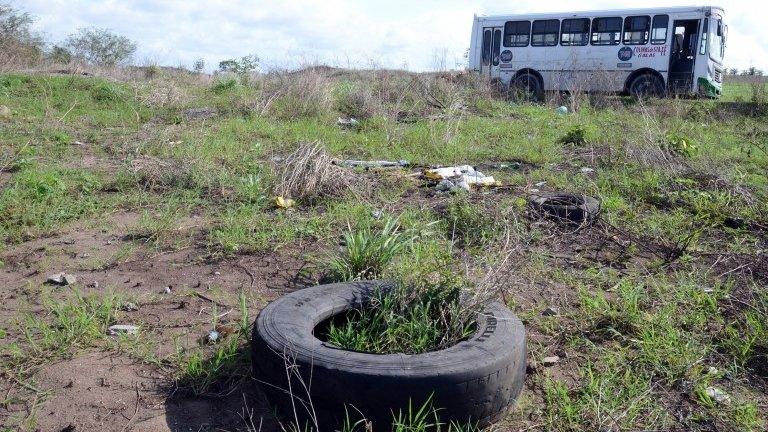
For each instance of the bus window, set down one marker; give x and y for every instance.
(659, 32)
(487, 47)
(517, 33)
(606, 31)
(704, 33)
(574, 31)
(545, 32)
(636, 30)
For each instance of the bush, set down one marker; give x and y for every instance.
(100, 46)
(576, 135)
(679, 144)
(355, 102)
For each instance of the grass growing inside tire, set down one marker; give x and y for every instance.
(415, 317)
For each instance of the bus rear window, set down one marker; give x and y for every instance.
(636, 29)
(574, 32)
(659, 32)
(517, 33)
(606, 31)
(545, 32)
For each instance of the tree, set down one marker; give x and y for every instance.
(18, 43)
(199, 66)
(100, 46)
(60, 55)
(242, 66)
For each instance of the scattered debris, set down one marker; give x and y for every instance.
(461, 176)
(212, 337)
(562, 110)
(349, 163)
(61, 279)
(550, 311)
(118, 329)
(447, 186)
(514, 165)
(587, 170)
(376, 214)
(718, 395)
(712, 370)
(284, 203)
(565, 207)
(129, 307)
(550, 361)
(540, 184)
(348, 122)
(167, 290)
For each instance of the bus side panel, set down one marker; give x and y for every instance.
(475, 51)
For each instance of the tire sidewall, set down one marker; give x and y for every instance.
(474, 380)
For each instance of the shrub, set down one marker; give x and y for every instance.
(576, 135)
(224, 85)
(356, 102)
(100, 46)
(679, 144)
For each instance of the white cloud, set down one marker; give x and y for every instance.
(344, 32)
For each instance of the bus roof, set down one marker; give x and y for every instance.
(590, 13)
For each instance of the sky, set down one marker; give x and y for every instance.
(413, 34)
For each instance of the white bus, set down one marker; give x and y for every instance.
(643, 52)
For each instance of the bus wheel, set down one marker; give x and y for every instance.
(646, 85)
(527, 86)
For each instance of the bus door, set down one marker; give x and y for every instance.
(491, 51)
(682, 57)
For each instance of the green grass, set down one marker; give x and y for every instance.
(639, 328)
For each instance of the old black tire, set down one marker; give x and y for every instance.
(646, 85)
(527, 86)
(473, 381)
(566, 207)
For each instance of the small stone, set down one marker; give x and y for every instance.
(118, 329)
(550, 311)
(85, 255)
(217, 273)
(718, 395)
(551, 361)
(445, 186)
(5, 112)
(167, 290)
(61, 279)
(129, 307)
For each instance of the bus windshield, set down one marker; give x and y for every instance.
(717, 39)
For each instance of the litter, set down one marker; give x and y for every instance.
(213, 336)
(587, 170)
(718, 395)
(461, 176)
(61, 279)
(373, 164)
(348, 122)
(551, 360)
(129, 307)
(562, 110)
(283, 203)
(118, 329)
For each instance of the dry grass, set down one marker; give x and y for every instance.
(310, 173)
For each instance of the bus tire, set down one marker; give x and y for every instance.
(646, 85)
(527, 86)
(475, 381)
